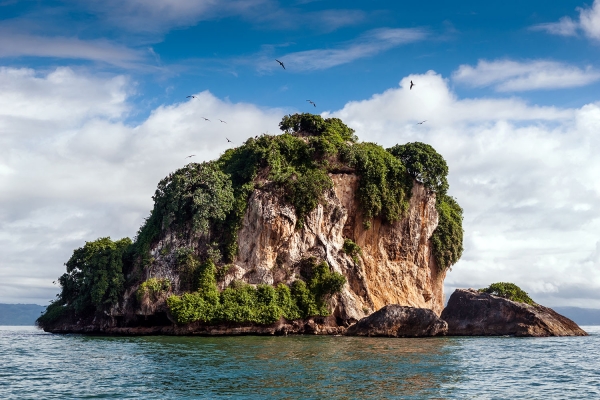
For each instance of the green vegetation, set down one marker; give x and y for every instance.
(509, 291)
(428, 167)
(263, 304)
(447, 238)
(153, 288)
(93, 281)
(384, 187)
(94, 277)
(424, 164)
(53, 312)
(203, 204)
(352, 249)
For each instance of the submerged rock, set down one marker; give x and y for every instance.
(399, 321)
(472, 313)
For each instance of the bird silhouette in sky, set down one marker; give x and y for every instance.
(312, 102)
(421, 123)
(229, 140)
(411, 85)
(280, 63)
(206, 119)
(222, 121)
(193, 155)
(187, 97)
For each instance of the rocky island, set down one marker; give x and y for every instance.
(309, 231)
(306, 228)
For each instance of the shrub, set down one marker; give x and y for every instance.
(508, 291)
(424, 164)
(51, 314)
(94, 277)
(264, 304)
(197, 193)
(352, 249)
(384, 187)
(447, 238)
(153, 288)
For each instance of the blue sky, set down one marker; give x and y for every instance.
(93, 113)
(171, 49)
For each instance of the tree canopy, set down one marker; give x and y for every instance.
(94, 277)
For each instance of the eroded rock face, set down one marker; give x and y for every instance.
(471, 313)
(395, 265)
(399, 321)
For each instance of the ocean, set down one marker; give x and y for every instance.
(37, 365)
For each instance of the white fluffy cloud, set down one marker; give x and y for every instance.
(589, 23)
(507, 75)
(72, 170)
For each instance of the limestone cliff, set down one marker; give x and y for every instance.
(395, 265)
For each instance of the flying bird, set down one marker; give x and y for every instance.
(411, 85)
(421, 123)
(229, 141)
(206, 119)
(312, 102)
(193, 155)
(187, 97)
(280, 63)
(222, 121)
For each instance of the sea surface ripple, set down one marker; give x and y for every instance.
(37, 365)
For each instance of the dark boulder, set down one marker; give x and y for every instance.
(398, 321)
(472, 313)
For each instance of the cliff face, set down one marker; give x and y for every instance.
(395, 265)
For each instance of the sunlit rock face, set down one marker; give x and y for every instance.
(395, 265)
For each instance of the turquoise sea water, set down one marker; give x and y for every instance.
(36, 365)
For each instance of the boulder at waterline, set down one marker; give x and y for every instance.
(399, 321)
(472, 313)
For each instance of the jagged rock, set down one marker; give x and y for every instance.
(472, 313)
(399, 321)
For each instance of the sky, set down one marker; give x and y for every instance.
(94, 111)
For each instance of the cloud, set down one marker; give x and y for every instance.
(507, 75)
(525, 175)
(589, 23)
(589, 20)
(564, 27)
(367, 45)
(162, 15)
(17, 45)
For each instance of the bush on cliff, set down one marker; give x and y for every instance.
(508, 291)
(263, 304)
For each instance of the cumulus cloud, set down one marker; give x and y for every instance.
(507, 75)
(525, 176)
(589, 23)
(367, 45)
